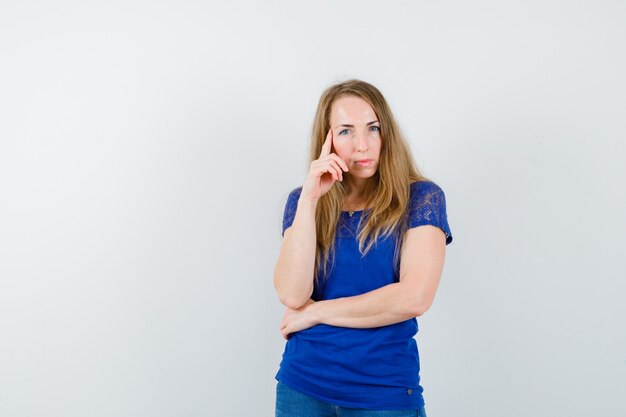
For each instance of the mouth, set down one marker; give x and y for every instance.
(365, 162)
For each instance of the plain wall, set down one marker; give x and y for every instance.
(147, 150)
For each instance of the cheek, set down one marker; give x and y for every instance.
(344, 156)
(341, 152)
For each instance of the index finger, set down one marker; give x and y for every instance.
(326, 147)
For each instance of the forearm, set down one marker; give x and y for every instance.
(293, 274)
(384, 306)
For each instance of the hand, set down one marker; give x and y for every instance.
(296, 320)
(324, 171)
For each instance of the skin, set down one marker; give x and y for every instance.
(355, 135)
(423, 252)
(355, 138)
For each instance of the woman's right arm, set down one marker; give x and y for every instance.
(293, 275)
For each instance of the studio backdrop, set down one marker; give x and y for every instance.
(147, 150)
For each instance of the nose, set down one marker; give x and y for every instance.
(361, 143)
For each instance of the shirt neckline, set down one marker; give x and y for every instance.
(355, 211)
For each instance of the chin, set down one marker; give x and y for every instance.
(365, 176)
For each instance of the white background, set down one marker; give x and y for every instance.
(147, 150)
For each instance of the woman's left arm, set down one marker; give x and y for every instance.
(421, 266)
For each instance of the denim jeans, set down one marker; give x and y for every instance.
(292, 403)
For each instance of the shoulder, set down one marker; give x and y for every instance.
(295, 192)
(428, 206)
(290, 207)
(424, 189)
(294, 196)
(425, 198)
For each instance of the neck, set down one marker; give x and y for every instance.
(354, 199)
(355, 188)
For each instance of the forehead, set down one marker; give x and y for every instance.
(351, 109)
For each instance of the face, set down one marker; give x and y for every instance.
(356, 135)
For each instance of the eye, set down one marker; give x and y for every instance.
(345, 130)
(377, 128)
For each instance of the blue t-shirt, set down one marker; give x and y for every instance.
(372, 368)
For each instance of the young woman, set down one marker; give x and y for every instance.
(363, 249)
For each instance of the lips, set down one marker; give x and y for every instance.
(365, 162)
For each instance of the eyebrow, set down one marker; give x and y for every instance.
(375, 121)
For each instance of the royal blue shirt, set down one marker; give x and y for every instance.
(371, 368)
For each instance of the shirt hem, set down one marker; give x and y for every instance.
(348, 404)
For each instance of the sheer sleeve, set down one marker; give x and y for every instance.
(428, 206)
(290, 208)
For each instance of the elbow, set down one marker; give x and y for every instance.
(292, 302)
(419, 308)
(286, 299)
(290, 295)
(419, 311)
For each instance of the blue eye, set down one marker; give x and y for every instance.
(377, 129)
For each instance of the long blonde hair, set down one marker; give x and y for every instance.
(387, 192)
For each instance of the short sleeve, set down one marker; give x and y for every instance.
(290, 208)
(428, 206)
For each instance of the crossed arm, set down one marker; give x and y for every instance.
(390, 304)
(393, 303)
(386, 305)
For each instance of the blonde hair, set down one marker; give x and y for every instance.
(387, 191)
